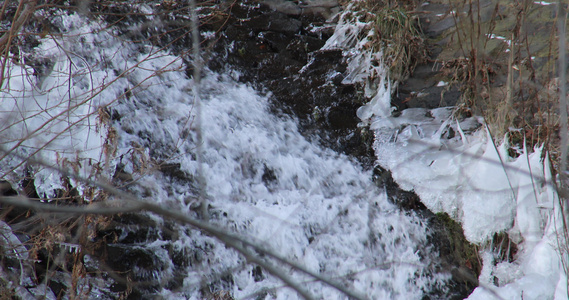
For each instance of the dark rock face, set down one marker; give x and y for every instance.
(423, 90)
(138, 266)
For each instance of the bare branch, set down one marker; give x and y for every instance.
(129, 204)
(234, 241)
(24, 12)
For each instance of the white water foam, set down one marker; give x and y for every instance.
(264, 181)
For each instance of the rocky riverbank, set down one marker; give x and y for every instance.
(147, 142)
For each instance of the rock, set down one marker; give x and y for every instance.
(281, 53)
(6, 189)
(173, 170)
(286, 7)
(274, 21)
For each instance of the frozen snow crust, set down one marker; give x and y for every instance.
(454, 167)
(264, 181)
(54, 118)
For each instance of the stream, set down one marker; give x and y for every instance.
(275, 173)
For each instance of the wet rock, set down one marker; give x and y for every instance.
(286, 7)
(257, 274)
(138, 264)
(276, 22)
(269, 175)
(143, 255)
(173, 170)
(122, 176)
(132, 229)
(342, 116)
(284, 58)
(6, 189)
(323, 62)
(275, 41)
(461, 257)
(302, 46)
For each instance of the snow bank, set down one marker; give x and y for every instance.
(55, 116)
(455, 167)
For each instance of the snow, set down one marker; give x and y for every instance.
(455, 167)
(363, 63)
(57, 113)
(543, 3)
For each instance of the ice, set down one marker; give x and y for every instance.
(364, 63)
(561, 289)
(55, 115)
(477, 183)
(488, 203)
(455, 167)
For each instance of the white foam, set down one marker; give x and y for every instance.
(264, 180)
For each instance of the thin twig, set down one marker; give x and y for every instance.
(129, 203)
(561, 23)
(197, 65)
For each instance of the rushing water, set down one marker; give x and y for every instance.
(268, 183)
(263, 180)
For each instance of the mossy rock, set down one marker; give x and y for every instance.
(458, 245)
(459, 255)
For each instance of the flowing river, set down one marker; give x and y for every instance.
(126, 113)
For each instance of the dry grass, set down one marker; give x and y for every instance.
(397, 33)
(507, 71)
(503, 57)
(506, 68)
